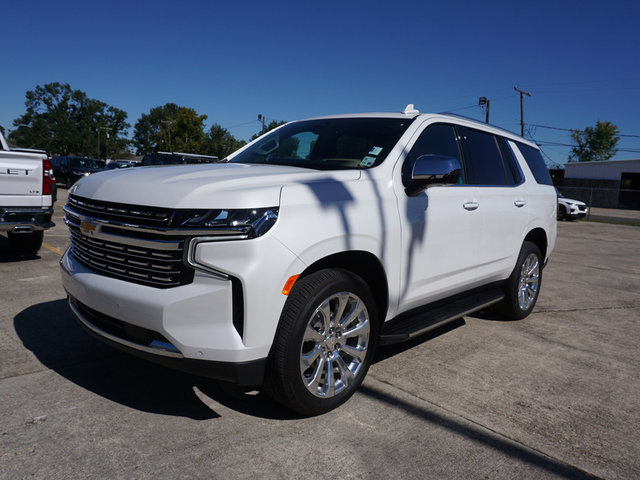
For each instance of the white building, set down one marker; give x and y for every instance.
(609, 170)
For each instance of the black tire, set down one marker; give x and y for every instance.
(26, 243)
(67, 183)
(562, 214)
(304, 329)
(523, 286)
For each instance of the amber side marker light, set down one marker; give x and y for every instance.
(289, 285)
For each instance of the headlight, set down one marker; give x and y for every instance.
(253, 222)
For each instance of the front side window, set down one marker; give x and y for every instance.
(328, 144)
(439, 139)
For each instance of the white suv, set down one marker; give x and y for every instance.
(287, 265)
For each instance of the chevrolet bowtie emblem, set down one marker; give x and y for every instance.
(87, 227)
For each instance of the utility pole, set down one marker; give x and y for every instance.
(484, 101)
(522, 93)
(261, 118)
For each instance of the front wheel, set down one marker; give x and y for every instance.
(324, 343)
(523, 286)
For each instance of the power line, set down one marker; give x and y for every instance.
(573, 130)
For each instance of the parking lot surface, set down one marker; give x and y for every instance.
(556, 395)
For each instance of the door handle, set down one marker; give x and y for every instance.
(470, 205)
(520, 203)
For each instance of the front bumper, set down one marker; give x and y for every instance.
(141, 343)
(25, 219)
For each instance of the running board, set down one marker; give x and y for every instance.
(406, 327)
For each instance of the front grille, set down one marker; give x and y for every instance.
(121, 212)
(130, 252)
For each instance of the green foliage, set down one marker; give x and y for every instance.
(595, 143)
(169, 127)
(267, 128)
(220, 142)
(67, 122)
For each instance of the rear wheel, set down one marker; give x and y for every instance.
(523, 286)
(26, 243)
(324, 343)
(562, 214)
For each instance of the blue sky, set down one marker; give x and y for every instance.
(294, 59)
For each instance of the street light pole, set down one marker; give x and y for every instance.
(106, 143)
(522, 93)
(484, 101)
(168, 124)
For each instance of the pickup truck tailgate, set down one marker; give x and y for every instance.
(20, 178)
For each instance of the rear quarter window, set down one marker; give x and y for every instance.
(536, 163)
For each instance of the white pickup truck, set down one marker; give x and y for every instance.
(26, 197)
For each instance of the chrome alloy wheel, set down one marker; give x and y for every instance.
(529, 281)
(334, 344)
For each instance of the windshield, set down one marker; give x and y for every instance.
(328, 144)
(83, 163)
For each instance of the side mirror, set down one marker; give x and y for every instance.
(433, 170)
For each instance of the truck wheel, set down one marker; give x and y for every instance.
(26, 243)
(324, 344)
(523, 286)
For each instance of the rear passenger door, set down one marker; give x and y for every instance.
(502, 201)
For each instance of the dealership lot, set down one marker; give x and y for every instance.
(553, 396)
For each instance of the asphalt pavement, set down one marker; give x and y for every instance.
(556, 395)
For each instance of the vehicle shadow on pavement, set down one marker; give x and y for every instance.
(477, 434)
(60, 344)
(7, 256)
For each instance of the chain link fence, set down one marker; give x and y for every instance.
(619, 198)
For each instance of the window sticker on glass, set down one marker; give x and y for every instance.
(367, 161)
(375, 151)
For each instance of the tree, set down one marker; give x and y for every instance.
(595, 143)
(169, 127)
(267, 128)
(188, 131)
(65, 121)
(220, 142)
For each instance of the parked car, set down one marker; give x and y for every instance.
(69, 170)
(288, 264)
(175, 158)
(570, 209)
(113, 164)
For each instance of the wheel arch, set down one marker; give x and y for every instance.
(539, 237)
(363, 264)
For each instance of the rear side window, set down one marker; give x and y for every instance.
(483, 158)
(536, 163)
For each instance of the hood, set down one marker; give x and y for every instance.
(212, 185)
